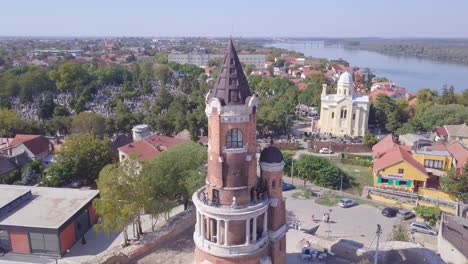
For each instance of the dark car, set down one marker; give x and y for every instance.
(287, 187)
(389, 212)
(405, 214)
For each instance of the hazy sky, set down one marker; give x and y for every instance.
(320, 18)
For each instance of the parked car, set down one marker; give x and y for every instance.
(405, 214)
(345, 203)
(389, 212)
(422, 228)
(287, 186)
(326, 151)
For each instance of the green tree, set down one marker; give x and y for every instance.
(88, 122)
(448, 96)
(370, 139)
(456, 184)
(426, 95)
(70, 76)
(161, 57)
(431, 214)
(162, 73)
(320, 171)
(8, 122)
(178, 172)
(46, 107)
(80, 157)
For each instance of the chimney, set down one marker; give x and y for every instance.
(324, 89)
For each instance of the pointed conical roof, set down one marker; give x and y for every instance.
(231, 88)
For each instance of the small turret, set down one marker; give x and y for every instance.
(324, 89)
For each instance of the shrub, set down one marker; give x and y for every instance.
(400, 233)
(430, 214)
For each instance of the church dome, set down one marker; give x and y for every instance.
(271, 155)
(345, 77)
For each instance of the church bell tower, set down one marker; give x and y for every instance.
(240, 216)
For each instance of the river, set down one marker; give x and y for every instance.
(411, 73)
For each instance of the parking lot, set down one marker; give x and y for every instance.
(357, 223)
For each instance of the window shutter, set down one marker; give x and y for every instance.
(408, 183)
(390, 181)
(397, 182)
(379, 180)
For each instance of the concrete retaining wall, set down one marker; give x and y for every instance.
(175, 226)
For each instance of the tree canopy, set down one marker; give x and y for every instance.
(81, 157)
(320, 171)
(178, 172)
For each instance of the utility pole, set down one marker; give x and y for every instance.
(292, 170)
(379, 231)
(341, 185)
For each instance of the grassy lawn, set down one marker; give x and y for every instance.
(328, 199)
(362, 176)
(333, 199)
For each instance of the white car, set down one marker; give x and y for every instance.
(345, 203)
(326, 151)
(422, 228)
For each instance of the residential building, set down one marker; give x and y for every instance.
(148, 147)
(54, 52)
(241, 218)
(413, 167)
(28, 148)
(457, 133)
(344, 114)
(6, 167)
(43, 220)
(452, 240)
(202, 59)
(414, 139)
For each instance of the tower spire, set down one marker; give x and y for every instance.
(231, 87)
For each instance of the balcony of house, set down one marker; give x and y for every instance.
(255, 207)
(228, 238)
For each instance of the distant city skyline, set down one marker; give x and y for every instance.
(241, 18)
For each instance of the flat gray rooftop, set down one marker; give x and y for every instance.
(47, 208)
(8, 195)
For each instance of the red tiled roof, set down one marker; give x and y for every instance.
(441, 131)
(150, 147)
(459, 152)
(437, 146)
(37, 144)
(393, 156)
(383, 146)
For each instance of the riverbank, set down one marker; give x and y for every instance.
(411, 73)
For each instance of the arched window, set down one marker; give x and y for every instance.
(333, 114)
(345, 113)
(234, 138)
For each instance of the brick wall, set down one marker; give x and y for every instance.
(236, 232)
(20, 242)
(278, 251)
(252, 259)
(67, 238)
(339, 147)
(92, 215)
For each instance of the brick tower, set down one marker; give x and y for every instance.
(240, 216)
